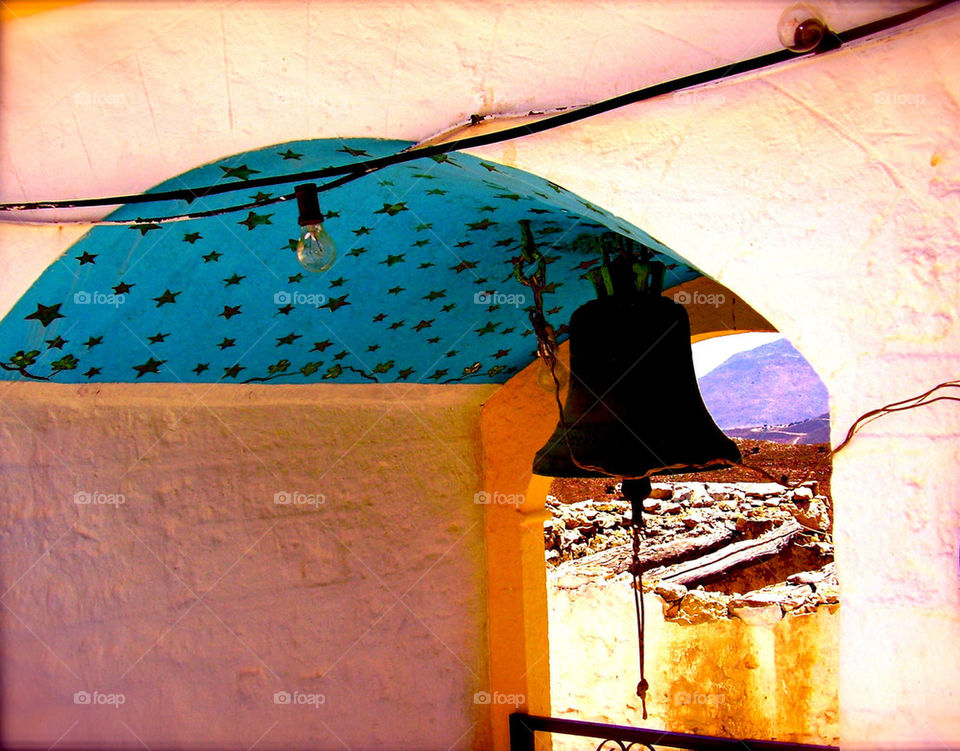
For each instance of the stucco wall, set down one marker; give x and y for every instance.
(198, 597)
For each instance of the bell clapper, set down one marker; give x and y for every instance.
(637, 491)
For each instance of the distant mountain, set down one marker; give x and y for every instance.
(771, 385)
(816, 430)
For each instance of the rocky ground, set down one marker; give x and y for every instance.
(710, 550)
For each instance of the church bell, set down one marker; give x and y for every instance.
(633, 403)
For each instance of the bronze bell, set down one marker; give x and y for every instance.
(633, 403)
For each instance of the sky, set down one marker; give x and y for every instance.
(710, 353)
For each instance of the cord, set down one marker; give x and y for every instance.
(360, 168)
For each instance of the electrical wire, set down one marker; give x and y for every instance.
(156, 220)
(831, 41)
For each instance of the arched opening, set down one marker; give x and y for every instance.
(737, 652)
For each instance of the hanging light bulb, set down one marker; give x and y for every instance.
(545, 373)
(315, 250)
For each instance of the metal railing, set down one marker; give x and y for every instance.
(523, 728)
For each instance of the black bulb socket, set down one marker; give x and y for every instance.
(308, 203)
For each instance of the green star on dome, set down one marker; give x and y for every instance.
(242, 172)
(392, 208)
(145, 228)
(255, 220)
(288, 339)
(352, 152)
(233, 371)
(335, 303)
(166, 297)
(45, 314)
(150, 366)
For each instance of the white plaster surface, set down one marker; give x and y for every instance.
(824, 192)
(199, 597)
(118, 95)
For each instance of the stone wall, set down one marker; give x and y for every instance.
(743, 677)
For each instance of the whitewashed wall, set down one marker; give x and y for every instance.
(145, 556)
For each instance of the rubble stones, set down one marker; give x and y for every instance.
(661, 491)
(755, 599)
(700, 498)
(652, 505)
(813, 514)
(699, 606)
(669, 591)
(758, 615)
(688, 509)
